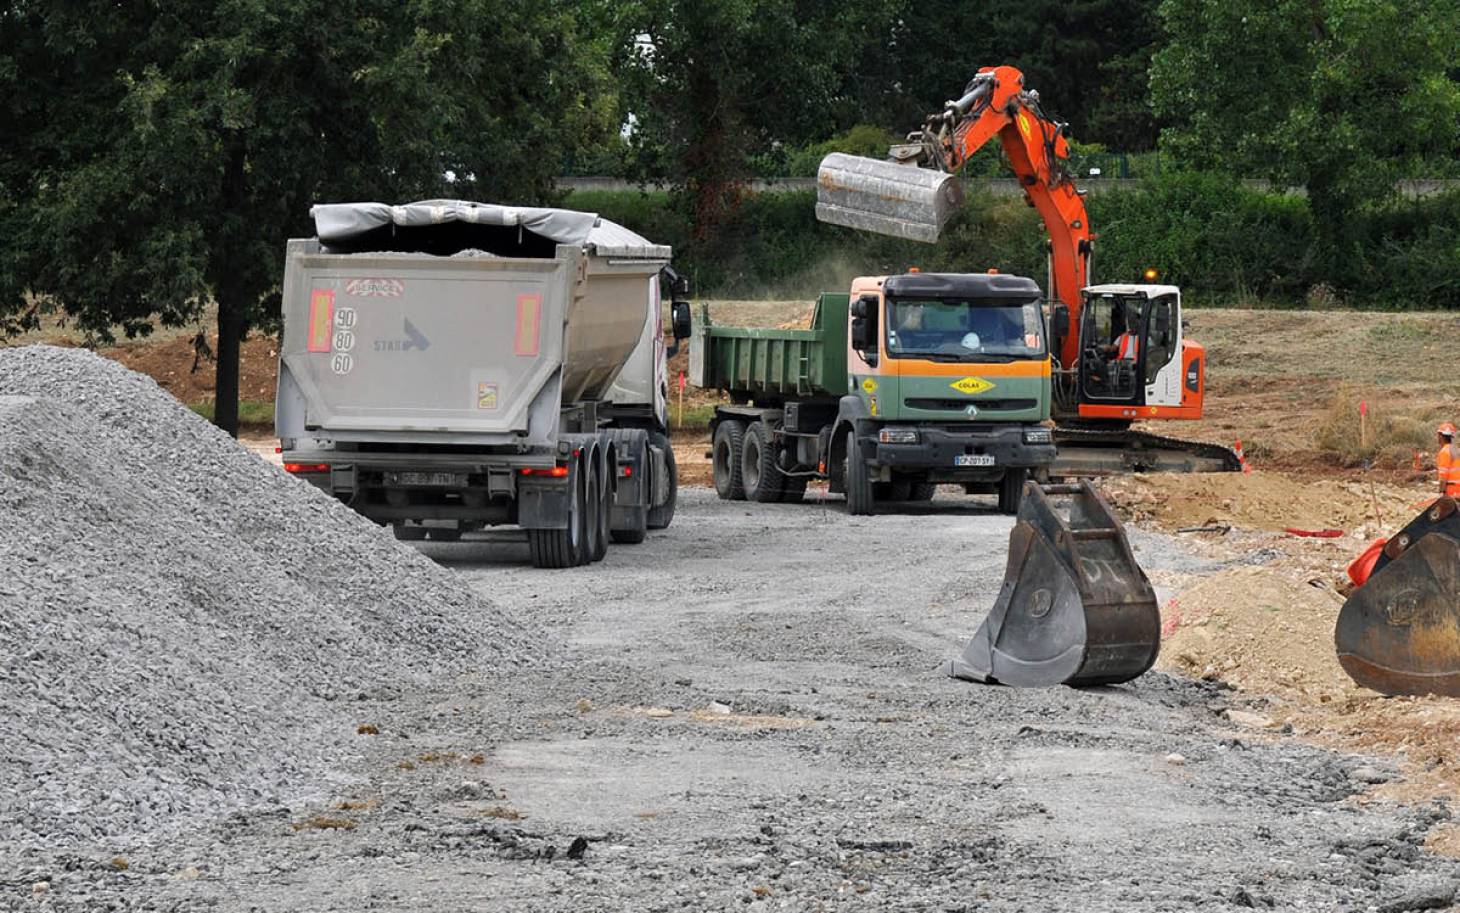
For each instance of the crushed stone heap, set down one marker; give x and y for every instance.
(183, 626)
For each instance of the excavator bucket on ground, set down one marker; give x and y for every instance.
(1075, 608)
(901, 200)
(1399, 632)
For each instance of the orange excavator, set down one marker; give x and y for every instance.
(1121, 351)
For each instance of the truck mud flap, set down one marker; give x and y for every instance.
(1074, 609)
(1399, 633)
(903, 201)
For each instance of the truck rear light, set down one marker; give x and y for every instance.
(555, 472)
(298, 468)
(625, 471)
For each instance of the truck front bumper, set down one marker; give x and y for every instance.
(938, 448)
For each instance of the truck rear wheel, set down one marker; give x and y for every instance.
(726, 450)
(760, 474)
(599, 502)
(898, 491)
(795, 489)
(859, 482)
(559, 548)
(1011, 490)
(660, 517)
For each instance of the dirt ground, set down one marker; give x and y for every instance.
(734, 721)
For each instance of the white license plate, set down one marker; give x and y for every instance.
(973, 459)
(433, 479)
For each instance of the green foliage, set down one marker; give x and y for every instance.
(156, 161)
(1207, 233)
(1340, 97)
(863, 139)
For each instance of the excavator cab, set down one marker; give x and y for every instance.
(1130, 337)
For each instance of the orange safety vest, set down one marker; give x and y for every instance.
(1127, 346)
(1447, 469)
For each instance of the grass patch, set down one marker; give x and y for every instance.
(1395, 430)
(250, 411)
(696, 418)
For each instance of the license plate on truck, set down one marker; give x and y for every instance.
(973, 459)
(427, 479)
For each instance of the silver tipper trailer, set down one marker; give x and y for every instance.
(449, 365)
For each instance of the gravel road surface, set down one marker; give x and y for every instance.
(749, 716)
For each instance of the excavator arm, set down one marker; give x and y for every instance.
(892, 198)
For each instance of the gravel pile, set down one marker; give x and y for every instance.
(185, 630)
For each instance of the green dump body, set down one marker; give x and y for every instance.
(769, 364)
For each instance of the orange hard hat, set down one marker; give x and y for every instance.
(1447, 429)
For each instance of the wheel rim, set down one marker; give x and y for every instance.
(750, 472)
(722, 462)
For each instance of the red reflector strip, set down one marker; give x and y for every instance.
(556, 472)
(306, 467)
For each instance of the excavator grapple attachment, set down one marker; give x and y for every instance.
(901, 200)
(1399, 632)
(1074, 609)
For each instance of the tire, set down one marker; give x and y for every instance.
(560, 548)
(859, 483)
(660, 517)
(444, 534)
(1011, 490)
(601, 495)
(760, 473)
(407, 533)
(725, 451)
(922, 492)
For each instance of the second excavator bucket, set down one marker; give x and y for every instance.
(1075, 608)
(1399, 632)
(904, 201)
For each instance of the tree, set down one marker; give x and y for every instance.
(709, 82)
(1340, 97)
(1087, 58)
(162, 153)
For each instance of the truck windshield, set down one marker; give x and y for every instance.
(965, 329)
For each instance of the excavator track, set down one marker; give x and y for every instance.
(1092, 453)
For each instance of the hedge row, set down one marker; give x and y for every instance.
(1223, 243)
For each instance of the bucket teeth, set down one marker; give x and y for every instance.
(1074, 608)
(888, 198)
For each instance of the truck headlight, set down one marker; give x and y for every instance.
(1038, 436)
(898, 435)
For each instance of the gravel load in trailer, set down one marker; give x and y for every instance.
(186, 630)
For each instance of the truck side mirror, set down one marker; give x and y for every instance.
(864, 327)
(1060, 320)
(679, 319)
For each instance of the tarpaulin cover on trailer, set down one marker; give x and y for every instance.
(348, 224)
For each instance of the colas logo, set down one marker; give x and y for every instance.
(415, 339)
(972, 385)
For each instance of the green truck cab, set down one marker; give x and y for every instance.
(905, 383)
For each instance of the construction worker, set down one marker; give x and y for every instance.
(1447, 461)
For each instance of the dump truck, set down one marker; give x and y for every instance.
(447, 366)
(906, 382)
